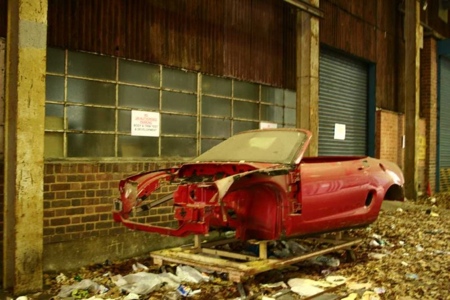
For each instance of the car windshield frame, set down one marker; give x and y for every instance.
(279, 146)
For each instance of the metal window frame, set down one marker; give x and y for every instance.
(198, 136)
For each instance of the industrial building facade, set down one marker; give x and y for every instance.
(201, 71)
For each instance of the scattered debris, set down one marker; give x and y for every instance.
(407, 262)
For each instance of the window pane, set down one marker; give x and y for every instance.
(54, 123)
(184, 147)
(289, 98)
(90, 145)
(138, 146)
(90, 92)
(216, 127)
(216, 106)
(124, 120)
(289, 116)
(246, 90)
(246, 110)
(173, 124)
(53, 144)
(54, 88)
(91, 65)
(54, 110)
(90, 118)
(179, 102)
(138, 97)
(179, 80)
(209, 143)
(216, 86)
(272, 95)
(239, 126)
(272, 113)
(55, 60)
(138, 73)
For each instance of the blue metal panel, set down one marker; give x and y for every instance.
(444, 47)
(371, 110)
(443, 160)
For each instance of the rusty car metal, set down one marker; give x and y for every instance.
(259, 184)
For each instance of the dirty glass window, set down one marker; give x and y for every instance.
(90, 98)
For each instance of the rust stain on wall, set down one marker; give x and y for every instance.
(240, 39)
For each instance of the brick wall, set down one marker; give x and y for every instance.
(389, 142)
(78, 199)
(428, 105)
(389, 136)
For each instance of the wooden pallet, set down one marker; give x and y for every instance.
(239, 266)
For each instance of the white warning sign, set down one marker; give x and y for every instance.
(145, 123)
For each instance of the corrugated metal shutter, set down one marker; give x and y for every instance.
(444, 114)
(343, 99)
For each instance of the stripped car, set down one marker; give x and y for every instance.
(259, 184)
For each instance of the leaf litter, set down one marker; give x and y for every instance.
(405, 255)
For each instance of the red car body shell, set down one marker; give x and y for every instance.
(267, 200)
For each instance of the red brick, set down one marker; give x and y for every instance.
(60, 221)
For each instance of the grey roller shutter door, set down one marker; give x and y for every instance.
(444, 114)
(343, 99)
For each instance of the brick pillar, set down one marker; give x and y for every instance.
(24, 145)
(428, 97)
(308, 75)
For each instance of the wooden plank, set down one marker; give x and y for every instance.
(237, 270)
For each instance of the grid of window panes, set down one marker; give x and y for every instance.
(89, 99)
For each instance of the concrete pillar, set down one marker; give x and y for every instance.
(24, 145)
(413, 40)
(308, 75)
